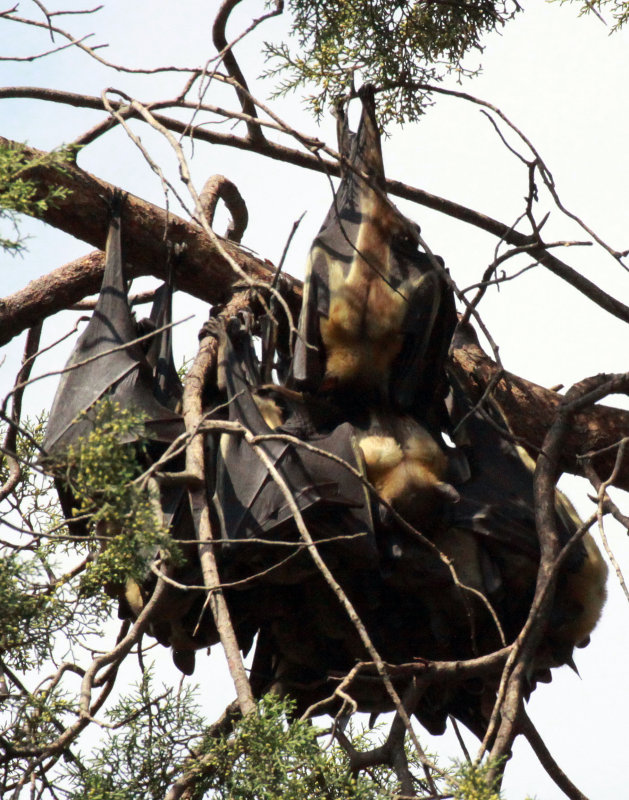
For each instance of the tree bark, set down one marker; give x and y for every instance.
(203, 271)
(531, 410)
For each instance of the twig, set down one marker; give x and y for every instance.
(546, 759)
(10, 439)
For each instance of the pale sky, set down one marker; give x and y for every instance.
(563, 81)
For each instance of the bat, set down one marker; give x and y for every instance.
(497, 504)
(247, 500)
(107, 361)
(376, 316)
(491, 539)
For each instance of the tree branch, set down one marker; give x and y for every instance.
(531, 410)
(204, 271)
(315, 162)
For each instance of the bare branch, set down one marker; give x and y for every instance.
(216, 188)
(10, 439)
(531, 409)
(195, 465)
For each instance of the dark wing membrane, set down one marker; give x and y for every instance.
(115, 365)
(167, 387)
(497, 500)
(248, 501)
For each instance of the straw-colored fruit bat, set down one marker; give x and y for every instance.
(497, 507)
(376, 316)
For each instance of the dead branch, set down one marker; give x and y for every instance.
(205, 270)
(546, 759)
(195, 465)
(581, 395)
(216, 188)
(10, 439)
(397, 188)
(254, 132)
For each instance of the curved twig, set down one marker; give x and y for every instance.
(10, 439)
(216, 188)
(229, 59)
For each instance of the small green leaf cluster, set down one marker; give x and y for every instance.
(272, 756)
(34, 720)
(101, 470)
(617, 9)
(20, 194)
(30, 613)
(397, 45)
(470, 782)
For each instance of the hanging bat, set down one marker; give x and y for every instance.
(247, 500)
(497, 504)
(108, 362)
(491, 539)
(376, 316)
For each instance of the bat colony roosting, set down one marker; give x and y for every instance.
(359, 414)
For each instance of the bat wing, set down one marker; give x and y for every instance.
(497, 500)
(249, 503)
(167, 387)
(108, 361)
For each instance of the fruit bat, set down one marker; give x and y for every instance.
(247, 500)
(108, 361)
(497, 504)
(376, 317)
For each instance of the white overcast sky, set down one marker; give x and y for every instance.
(563, 81)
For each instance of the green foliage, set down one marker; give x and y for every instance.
(393, 44)
(37, 600)
(272, 756)
(144, 751)
(20, 194)
(470, 782)
(617, 9)
(101, 470)
(269, 755)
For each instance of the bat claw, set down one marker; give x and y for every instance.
(214, 326)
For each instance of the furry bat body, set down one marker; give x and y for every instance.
(376, 316)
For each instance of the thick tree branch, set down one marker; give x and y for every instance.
(531, 410)
(205, 274)
(314, 162)
(204, 271)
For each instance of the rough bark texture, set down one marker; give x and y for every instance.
(532, 409)
(203, 271)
